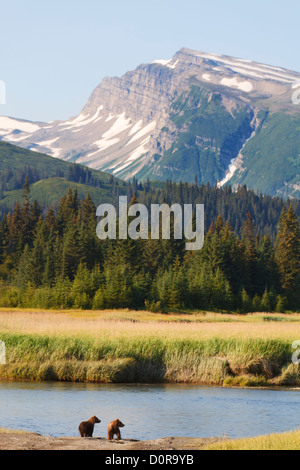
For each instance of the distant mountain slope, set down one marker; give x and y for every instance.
(50, 191)
(219, 118)
(14, 158)
(50, 179)
(271, 160)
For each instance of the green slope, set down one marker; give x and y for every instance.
(271, 159)
(50, 191)
(50, 179)
(16, 158)
(208, 137)
(205, 135)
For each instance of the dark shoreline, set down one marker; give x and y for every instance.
(154, 384)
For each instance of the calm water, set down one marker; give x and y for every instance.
(149, 411)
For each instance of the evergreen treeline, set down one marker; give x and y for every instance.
(57, 261)
(231, 205)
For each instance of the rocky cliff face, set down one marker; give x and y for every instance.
(193, 115)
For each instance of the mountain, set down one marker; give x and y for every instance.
(220, 119)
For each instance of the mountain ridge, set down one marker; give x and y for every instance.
(196, 114)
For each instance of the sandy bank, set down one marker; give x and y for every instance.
(31, 441)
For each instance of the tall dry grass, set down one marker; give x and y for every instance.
(285, 441)
(122, 323)
(126, 346)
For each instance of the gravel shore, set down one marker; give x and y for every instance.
(32, 441)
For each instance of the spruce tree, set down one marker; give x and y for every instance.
(251, 262)
(288, 253)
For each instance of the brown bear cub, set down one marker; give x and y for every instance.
(113, 428)
(86, 428)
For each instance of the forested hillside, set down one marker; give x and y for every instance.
(57, 261)
(50, 178)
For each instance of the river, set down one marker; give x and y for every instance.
(148, 411)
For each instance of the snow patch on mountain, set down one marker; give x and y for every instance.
(10, 124)
(265, 71)
(136, 127)
(173, 66)
(139, 151)
(161, 61)
(56, 153)
(80, 117)
(47, 143)
(147, 129)
(234, 83)
(120, 125)
(166, 63)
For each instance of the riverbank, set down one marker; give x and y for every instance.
(140, 347)
(11, 440)
(32, 441)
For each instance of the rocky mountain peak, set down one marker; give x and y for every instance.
(193, 114)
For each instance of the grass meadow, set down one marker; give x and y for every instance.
(285, 441)
(120, 346)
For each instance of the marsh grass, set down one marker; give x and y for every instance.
(127, 346)
(285, 441)
(11, 431)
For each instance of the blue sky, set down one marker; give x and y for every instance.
(54, 53)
